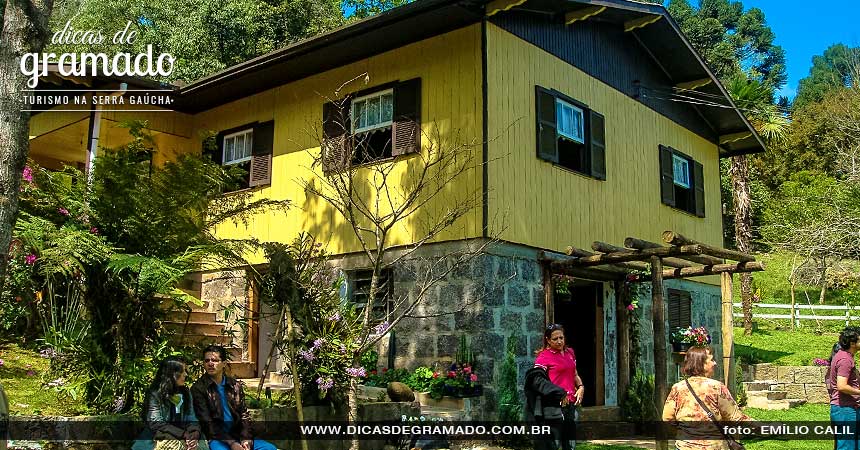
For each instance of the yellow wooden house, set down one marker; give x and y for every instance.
(592, 120)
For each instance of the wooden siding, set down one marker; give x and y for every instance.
(449, 66)
(604, 51)
(550, 207)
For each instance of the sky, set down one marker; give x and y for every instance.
(806, 28)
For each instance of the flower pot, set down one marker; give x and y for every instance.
(679, 347)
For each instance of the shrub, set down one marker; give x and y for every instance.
(510, 405)
(638, 404)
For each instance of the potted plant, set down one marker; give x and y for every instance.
(684, 338)
(461, 382)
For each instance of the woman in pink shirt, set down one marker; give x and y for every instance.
(560, 363)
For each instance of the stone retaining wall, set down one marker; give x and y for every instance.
(803, 382)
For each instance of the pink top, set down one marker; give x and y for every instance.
(561, 368)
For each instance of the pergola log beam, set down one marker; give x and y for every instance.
(626, 256)
(700, 271)
(671, 262)
(578, 252)
(672, 238)
(643, 244)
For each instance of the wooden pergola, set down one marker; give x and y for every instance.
(677, 257)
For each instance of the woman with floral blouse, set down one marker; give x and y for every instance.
(682, 407)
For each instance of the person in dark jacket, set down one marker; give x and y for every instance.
(543, 406)
(219, 402)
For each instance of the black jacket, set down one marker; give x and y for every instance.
(543, 398)
(207, 405)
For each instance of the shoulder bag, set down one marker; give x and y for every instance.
(733, 444)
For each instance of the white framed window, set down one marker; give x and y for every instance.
(237, 147)
(681, 171)
(569, 120)
(373, 111)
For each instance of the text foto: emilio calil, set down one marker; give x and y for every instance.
(797, 430)
(146, 99)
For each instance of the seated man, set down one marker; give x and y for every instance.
(220, 406)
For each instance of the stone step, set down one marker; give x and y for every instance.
(778, 405)
(195, 327)
(751, 386)
(252, 383)
(600, 414)
(768, 395)
(448, 414)
(205, 339)
(242, 369)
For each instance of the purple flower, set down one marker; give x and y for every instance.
(380, 329)
(630, 307)
(63, 211)
(335, 317)
(94, 230)
(48, 353)
(318, 343)
(31, 373)
(118, 403)
(325, 384)
(30, 259)
(820, 362)
(357, 372)
(308, 355)
(342, 349)
(1, 363)
(27, 175)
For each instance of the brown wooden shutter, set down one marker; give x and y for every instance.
(699, 189)
(680, 309)
(667, 179)
(337, 142)
(261, 154)
(597, 137)
(547, 139)
(406, 129)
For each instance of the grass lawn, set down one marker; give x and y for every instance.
(807, 413)
(784, 348)
(23, 374)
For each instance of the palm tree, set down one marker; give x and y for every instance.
(755, 99)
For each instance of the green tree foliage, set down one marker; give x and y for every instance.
(121, 243)
(362, 9)
(205, 36)
(832, 69)
(732, 40)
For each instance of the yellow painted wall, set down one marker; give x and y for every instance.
(550, 207)
(450, 70)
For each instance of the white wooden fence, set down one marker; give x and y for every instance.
(803, 312)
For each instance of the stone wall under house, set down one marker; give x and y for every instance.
(227, 294)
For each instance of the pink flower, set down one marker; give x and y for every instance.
(630, 307)
(30, 259)
(473, 378)
(1, 363)
(63, 211)
(27, 175)
(467, 369)
(94, 230)
(452, 374)
(31, 373)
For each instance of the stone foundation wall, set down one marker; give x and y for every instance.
(226, 294)
(803, 382)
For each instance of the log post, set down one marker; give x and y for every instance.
(658, 324)
(548, 287)
(728, 332)
(622, 317)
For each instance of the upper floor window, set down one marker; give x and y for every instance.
(570, 134)
(373, 111)
(372, 125)
(248, 147)
(682, 183)
(237, 147)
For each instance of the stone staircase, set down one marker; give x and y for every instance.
(767, 394)
(200, 327)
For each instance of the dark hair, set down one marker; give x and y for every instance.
(848, 336)
(694, 361)
(830, 364)
(221, 351)
(164, 384)
(548, 333)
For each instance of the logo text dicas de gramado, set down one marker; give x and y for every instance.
(35, 65)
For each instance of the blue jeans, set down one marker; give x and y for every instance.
(259, 444)
(842, 416)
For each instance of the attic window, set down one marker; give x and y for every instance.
(237, 147)
(373, 111)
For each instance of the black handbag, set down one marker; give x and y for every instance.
(733, 444)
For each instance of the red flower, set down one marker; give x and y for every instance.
(467, 369)
(373, 372)
(435, 374)
(384, 369)
(452, 374)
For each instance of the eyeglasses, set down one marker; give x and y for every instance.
(553, 327)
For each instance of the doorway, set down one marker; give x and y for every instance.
(579, 309)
